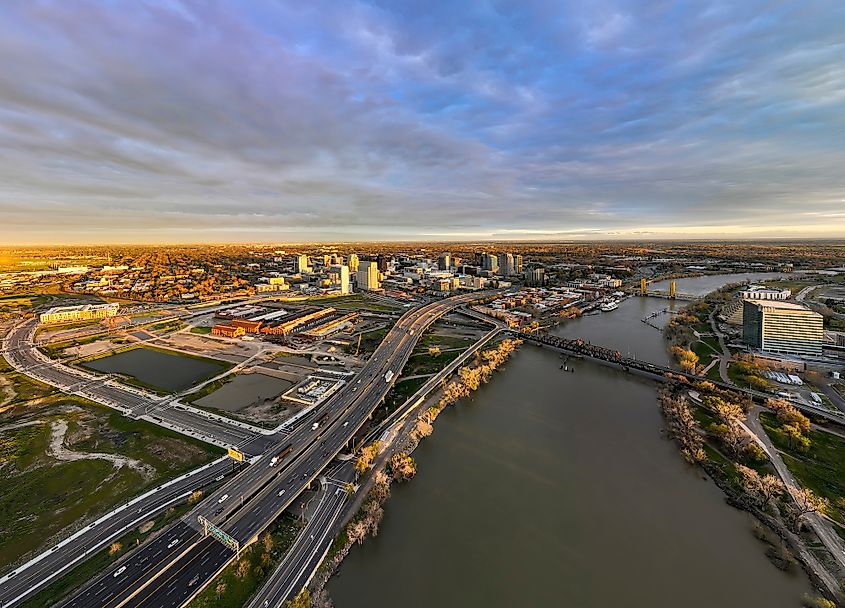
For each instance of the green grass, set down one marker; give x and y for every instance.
(713, 373)
(369, 341)
(229, 590)
(25, 389)
(704, 352)
(99, 562)
(822, 468)
(400, 393)
(423, 363)
(712, 342)
(201, 330)
(40, 496)
(443, 342)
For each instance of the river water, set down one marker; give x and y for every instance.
(549, 488)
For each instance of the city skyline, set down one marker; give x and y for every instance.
(172, 122)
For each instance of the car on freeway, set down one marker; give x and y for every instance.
(222, 499)
(281, 493)
(173, 543)
(119, 571)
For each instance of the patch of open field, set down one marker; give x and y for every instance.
(65, 461)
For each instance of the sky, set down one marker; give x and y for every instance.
(274, 121)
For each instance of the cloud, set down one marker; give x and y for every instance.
(190, 120)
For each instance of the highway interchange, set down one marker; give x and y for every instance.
(169, 569)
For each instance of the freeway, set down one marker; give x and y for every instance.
(245, 506)
(312, 543)
(28, 578)
(20, 352)
(300, 563)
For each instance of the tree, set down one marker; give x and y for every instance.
(423, 428)
(220, 589)
(302, 600)
(764, 489)
(805, 502)
(243, 568)
(434, 351)
(795, 438)
(356, 532)
(195, 497)
(682, 427)
(817, 602)
(368, 455)
(402, 466)
(115, 548)
(687, 359)
(731, 436)
(754, 453)
(789, 414)
(267, 539)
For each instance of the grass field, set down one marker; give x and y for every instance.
(40, 496)
(822, 468)
(396, 397)
(423, 363)
(369, 341)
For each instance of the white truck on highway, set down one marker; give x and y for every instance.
(388, 376)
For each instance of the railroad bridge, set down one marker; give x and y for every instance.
(613, 358)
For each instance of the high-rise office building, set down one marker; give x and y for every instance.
(537, 277)
(506, 264)
(300, 264)
(381, 262)
(782, 327)
(517, 264)
(489, 262)
(368, 276)
(444, 261)
(339, 277)
(353, 262)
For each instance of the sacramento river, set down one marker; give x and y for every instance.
(553, 489)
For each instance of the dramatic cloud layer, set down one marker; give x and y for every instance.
(294, 121)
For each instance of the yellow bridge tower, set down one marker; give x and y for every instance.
(672, 290)
(643, 287)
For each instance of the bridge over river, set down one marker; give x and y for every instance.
(613, 358)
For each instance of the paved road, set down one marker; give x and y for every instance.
(725, 358)
(246, 505)
(28, 578)
(20, 352)
(296, 569)
(311, 545)
(831, 540)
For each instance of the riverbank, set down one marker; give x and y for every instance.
(388, 462)
(600, 493)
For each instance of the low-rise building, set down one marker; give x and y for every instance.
(85, 312)
(759, 292)
(227, 331)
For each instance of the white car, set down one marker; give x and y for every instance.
(222, 498)
(119, 571)
(173, 543)
(282, 492)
